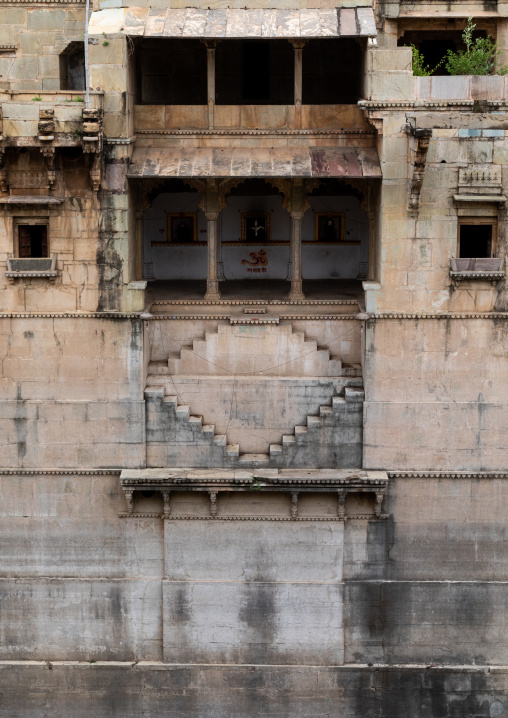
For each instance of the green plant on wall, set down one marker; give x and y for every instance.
(420, 69)
(480, 57)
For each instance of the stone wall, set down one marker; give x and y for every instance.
(442, 404)
(72, 392)
(81, 584)
(41, 34)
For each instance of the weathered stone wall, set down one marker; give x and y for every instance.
(124, 689)
(436, 394)
(41, 34)
(72, 392)
(427, 586)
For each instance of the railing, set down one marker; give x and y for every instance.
(248, 117)
(461, 87)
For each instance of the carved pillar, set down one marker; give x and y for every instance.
(166, 496)
(212, 214)
(294, 504)
(130, 501)
(341, 509)
(297, 212)
(298, 47)
(210, 79)
(213, 504)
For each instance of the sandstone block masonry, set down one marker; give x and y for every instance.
(244, 493)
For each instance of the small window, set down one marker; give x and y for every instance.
(255, 227)
(182, 228)
(329, 227)
(476, 240)
(32, 241)
(72, 67)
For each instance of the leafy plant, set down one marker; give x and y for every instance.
(105, 43)
(479, 58)
(37, 98)
(78, 99)
(420, 69)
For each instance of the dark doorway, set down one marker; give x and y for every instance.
(475, 240)
(33, 240)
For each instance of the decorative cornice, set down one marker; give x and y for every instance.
(4, 47)
(444, 315)
(59, 472)
(69, 315)
(236, 133)
(363, 517)
(391, 474)
(493, 277)
(256, 302)
(30, 275)
(447, 474)
(120, 140)
(424, 104)
(285, 317)
(42, 2)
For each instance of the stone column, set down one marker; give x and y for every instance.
(212, 281)
(210, 80)
(296, 256)
(297, 212)
(298, 47)
(211, 208)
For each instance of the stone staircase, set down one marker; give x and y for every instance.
(251, 350)
(330, 439)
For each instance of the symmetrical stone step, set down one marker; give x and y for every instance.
(330, 439)
(273, 350)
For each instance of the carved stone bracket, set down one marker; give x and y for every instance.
(420, 141)
(151, 188)
(283, 185)
(294, 482)
(46, 126)
(48, 153)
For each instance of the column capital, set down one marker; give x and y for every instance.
(297, 216)
(211, 216)
(298, 44)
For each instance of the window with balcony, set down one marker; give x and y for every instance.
(476, 240)
(475, 253)
(31, 251)
(32, 241)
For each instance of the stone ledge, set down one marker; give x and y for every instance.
(213, 482)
